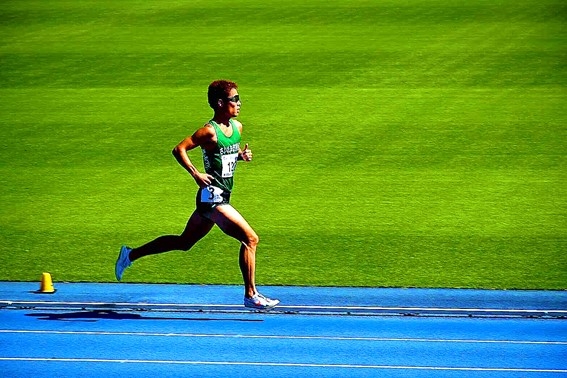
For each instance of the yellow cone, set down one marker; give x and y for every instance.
(46, 286)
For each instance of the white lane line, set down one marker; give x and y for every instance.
(281, 364)
(186, 306)
(283, 337)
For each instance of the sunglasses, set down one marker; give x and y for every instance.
(234, 98)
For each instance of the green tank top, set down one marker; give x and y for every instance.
(221, 161)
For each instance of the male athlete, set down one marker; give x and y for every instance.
(219, 140)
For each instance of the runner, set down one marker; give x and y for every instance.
(219, 140)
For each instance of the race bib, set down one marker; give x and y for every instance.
(229, 164)
(211, 194)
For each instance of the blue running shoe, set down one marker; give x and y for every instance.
(123, 262)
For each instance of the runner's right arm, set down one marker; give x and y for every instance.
(203, 137)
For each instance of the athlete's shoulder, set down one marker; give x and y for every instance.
(207, 129)
(237, 124)
(205, 135)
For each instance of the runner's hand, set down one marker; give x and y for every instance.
(246, 153)
(203, 179)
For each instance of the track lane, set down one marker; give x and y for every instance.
(356, 346)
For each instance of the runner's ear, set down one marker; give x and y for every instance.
(220, 103)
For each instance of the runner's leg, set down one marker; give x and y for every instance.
(233, 224)
(197, 227)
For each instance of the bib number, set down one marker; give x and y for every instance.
(211, 194)
(228, 164)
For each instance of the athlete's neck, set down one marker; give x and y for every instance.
(222, 119)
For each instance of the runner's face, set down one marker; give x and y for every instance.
(233, 103)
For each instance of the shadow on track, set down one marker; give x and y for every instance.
(96, 315)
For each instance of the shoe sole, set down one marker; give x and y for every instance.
(116, 266)
(267, 308)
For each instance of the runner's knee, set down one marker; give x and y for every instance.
(252, 240)
(186, 243)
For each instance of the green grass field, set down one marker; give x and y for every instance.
(415, 143)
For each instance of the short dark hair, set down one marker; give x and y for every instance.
(219, 89)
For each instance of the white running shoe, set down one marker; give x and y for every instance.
(259, 302)
(123, 262)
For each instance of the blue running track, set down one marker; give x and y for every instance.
(135, 330)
